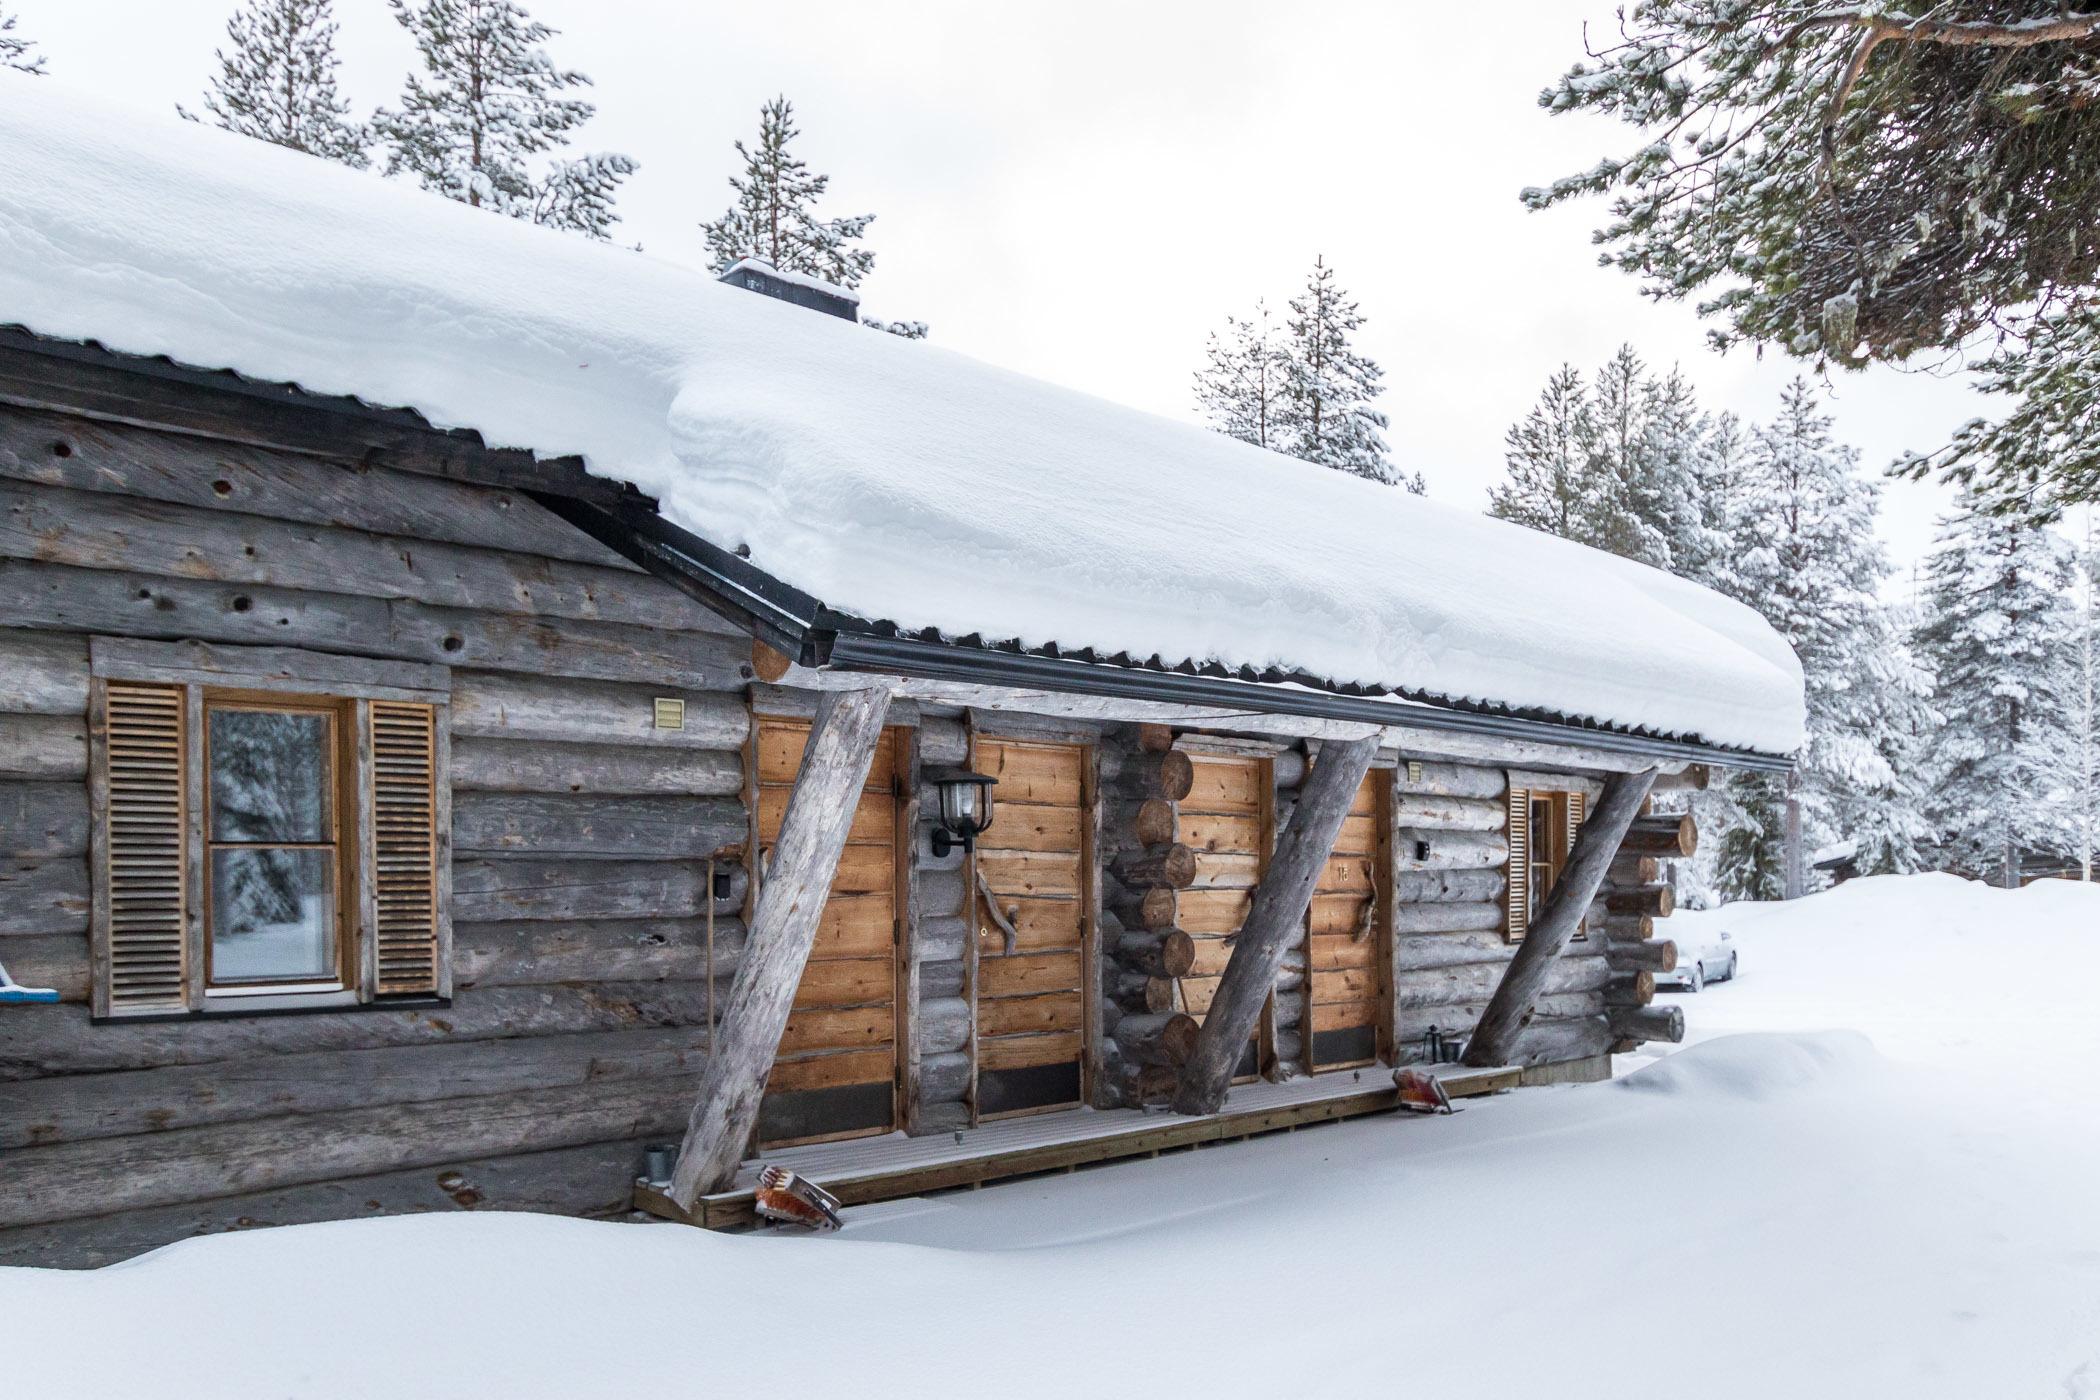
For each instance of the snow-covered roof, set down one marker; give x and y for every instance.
(891, 479)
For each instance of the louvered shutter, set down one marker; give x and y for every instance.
(1518, 911)
(403, 864)
(1578, 807)
(141, 962)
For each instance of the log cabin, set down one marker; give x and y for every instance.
(478, 705)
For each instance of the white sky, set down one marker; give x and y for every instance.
(1083, 191)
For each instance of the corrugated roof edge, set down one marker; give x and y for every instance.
(803, 627)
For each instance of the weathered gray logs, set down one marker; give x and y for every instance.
(798, 878)
(1630, 869)
(1656, 901)
(507, 765)
(944, 1076)
(1274, 918)
(1627, 928)
(1494, 1039)
(1142, 993)
(490, 705)
(1648, 1022)
(497, 891)
(625, 950)
(1288, 768)
(43, 820)
(1445, 918)
(1163, 1039)
(1435, 813)
(1151, 1083)
(1694, 778)
(1449, 886)
(1668, 837)
(44, 748)
(944, 1025)
(1166, 952)
(1630, 989)
(1147, 909)
(1476, 982)
(943, 742)
(1417, 848)
(1656, 955)
(1171, 866)
(941, 938)
(1449, 780)
(43, 896)
(588, 826)
(1548, 1042)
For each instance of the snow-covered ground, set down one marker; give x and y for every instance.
(1871, 1174)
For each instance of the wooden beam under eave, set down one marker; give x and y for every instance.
(797, 881)
(1494, 1040)
(1275, 917)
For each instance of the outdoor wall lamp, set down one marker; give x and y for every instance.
(965, 808)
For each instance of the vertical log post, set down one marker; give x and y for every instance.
(1494, 1040)
(783, 926)
(1275, 917)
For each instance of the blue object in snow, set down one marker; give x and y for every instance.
(13, 993)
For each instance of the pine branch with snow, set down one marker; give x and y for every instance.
(1240, 388)
(773, 215)
(15, 48)
(488, 102)
(276, 81)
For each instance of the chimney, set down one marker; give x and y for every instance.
(759, 275)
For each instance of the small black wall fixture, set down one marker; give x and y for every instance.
(965, 810)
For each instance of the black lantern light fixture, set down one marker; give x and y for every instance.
(965, 808)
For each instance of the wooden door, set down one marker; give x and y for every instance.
(835, 1075)
(1227, 820)
(1345, 949)
(1037, 861)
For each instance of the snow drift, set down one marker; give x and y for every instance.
(892, 479)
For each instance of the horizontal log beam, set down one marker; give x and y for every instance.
(611, 770)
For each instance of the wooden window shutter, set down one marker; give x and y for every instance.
(1578, 807)
(1517, 912)
(403, 865)
(141, 954)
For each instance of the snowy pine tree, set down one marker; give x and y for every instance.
(1808, 560)
(1240, 389)
(1997, 631)
(2085, 788)
(276, 81)
(773, 215)
(1329, 384)
(488, 101)
(14, 49)
(1547, 458)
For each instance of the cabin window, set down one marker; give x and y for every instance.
(1541, 827)
(265, 839)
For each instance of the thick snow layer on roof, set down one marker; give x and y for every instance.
(892, 479)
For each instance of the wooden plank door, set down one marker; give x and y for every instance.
(835, 1075)
(1227, 820)
(1037, 861)
(1346, 927)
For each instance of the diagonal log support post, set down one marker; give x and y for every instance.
(783, 926)
(1276, 916)
(1494, 1040)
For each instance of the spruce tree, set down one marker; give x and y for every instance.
(490, 100)
(276, 81)
(1546, 456)
(773, 215)
(14, 48)
(1997, 631)
(1808, 560)
(1240, 389)
(1329, 384)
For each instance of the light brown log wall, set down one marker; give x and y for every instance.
(585, 960)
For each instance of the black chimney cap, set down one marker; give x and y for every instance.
(759, 275)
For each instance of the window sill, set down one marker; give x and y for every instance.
(244, 1007)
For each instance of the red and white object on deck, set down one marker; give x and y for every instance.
(795, 1200)
(1421, 1092)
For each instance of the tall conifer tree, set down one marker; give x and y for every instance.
(1329, 384)
(488, 102)
(1997, 631)
(773, 215)
(1240, 389)
(276, 81)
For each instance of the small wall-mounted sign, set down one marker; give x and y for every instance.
(1414, 772)
(670, 713)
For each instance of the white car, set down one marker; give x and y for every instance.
(1701, 963)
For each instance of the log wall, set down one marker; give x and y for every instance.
(589, 947)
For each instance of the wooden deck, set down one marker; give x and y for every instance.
(894, 1165)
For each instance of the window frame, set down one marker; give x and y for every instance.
(1567, 802)
(210, 676)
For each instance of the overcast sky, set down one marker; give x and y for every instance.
(1083, 191)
